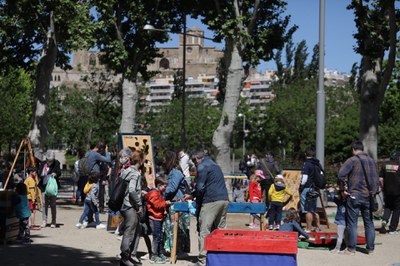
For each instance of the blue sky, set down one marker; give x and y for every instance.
(339, 30)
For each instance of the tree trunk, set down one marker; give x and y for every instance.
(39, 129)
(129, 100)
(370, 101)
(222, 135)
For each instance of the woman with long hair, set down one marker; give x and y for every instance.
(175, 191)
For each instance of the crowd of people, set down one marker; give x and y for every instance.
(150, 211)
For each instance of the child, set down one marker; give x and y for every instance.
(23, 213)
(276, 197)
(255, 195)
(156, 208)
(91, 205)
(33, 194)
(291, 224)
(340, 220)
(239, 192)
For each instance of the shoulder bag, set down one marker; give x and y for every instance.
(373, 204)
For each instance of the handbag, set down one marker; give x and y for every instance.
(373, 203)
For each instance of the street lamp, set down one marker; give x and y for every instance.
(244, 133)
(184, 33)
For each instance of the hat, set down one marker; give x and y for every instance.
(260, 174)
(279, 177)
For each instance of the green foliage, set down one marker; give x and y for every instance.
(16, 112)
(24, 28)
(165, 124)
(79, 116)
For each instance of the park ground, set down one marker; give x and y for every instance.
(67, 245)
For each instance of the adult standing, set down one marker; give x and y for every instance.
(309, 204)
(186, 164)
(132, 207)
(270, 169)
(211, 200)
(50, 166)
(97, 155)
(359, 174)
(175, 191)
(390, 180)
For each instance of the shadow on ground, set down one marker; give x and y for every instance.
(43, 254)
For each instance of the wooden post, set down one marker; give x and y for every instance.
(175, 239)
(13, 165)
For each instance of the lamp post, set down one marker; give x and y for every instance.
(184, 33)
(244, 133)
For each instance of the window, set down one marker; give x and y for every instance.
(92, 60)
(164, 63)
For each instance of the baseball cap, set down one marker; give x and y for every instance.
(259, 173)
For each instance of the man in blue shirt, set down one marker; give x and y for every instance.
(211, 199)
(359, 186)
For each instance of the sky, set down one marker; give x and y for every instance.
(339, 30)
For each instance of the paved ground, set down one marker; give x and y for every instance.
(67, 245)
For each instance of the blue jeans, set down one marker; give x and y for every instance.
(354, 206)
(157, 237)
(88, 210)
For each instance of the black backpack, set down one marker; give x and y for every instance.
(83, 166)
(320, 178)
(118, 194)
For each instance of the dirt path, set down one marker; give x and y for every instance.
(67, 245)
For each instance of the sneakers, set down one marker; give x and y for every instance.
(100, 226)
(145, 257)
(393, 233)
(157, 260)
(335, 251)
(84, 225)
(277, 228)
(349, 253)
(44, 224)
(120, 238)
(197, 264)
(53, 226)
(162, 256)
(271, 227)
(317, 229)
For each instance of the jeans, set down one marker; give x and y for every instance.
(212, 216)
(275, 213)
(354, 206)
(307, 205)
(49, 200)
(91, 209)
(131, 232)
(158, 242)
(340, 235)
(80, 186)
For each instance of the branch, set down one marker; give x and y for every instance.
(392, 48)
(253, 20)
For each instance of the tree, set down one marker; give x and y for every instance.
(376, 21)
(251, 30)
(128, 48)
(36, 35)
(15, 94)
(164, 123)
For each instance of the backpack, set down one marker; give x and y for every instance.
(320, 178)
(83, 166)
(51, 187)
(117, 196)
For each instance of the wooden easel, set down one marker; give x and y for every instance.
(31, 159)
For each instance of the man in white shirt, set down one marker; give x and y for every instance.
(186, 164)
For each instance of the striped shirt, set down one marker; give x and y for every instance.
(352, 173)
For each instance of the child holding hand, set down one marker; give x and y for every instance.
(340, 220)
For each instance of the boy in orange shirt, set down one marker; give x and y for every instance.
(156, 209)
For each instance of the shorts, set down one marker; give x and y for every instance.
(32, 206)
(307, 205)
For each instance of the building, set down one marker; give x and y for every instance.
(257, 89)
